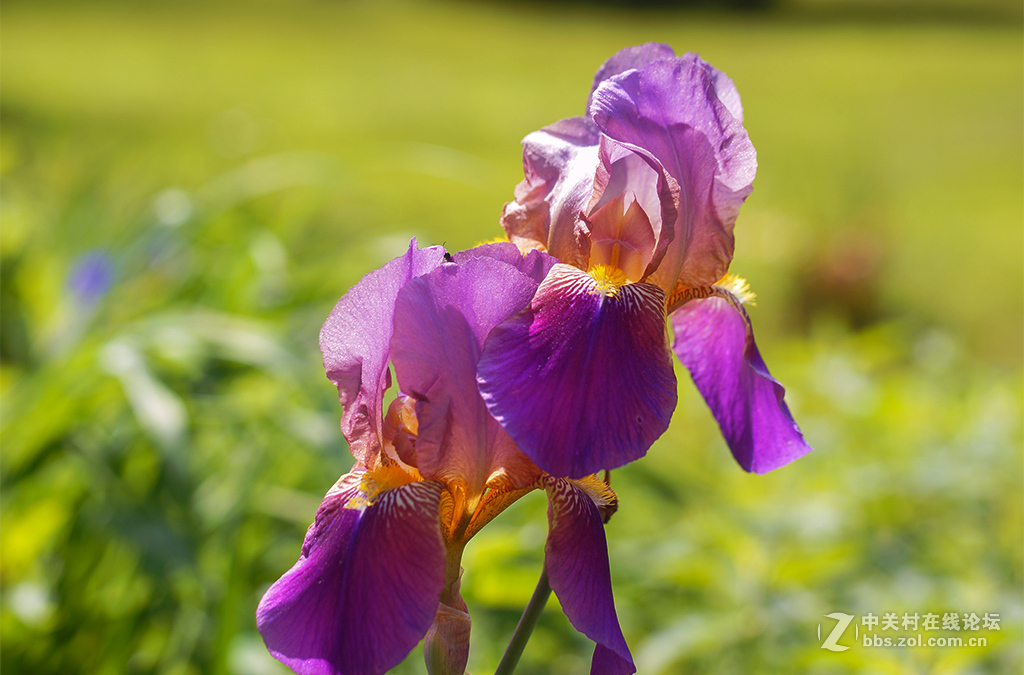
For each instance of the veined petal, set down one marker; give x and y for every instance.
(355, 341)
(441, 321)
(714, 340)
(688, 116)
(559, 162)
(581, 379)
(366, 587)
(576, 560)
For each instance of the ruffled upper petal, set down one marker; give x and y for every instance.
(441, 321)
(688, 116)
(576, 560)
(714, 341)
(559, 162)
(582, 379)
(638, 56)
(355, 341)
(366, 587)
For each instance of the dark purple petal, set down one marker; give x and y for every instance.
(582, 379)
(559, 162)
(687, 115)
(441, 321)
(576, 560)
(355, 341)
(366, 587)
(639, 56)
(714, 341)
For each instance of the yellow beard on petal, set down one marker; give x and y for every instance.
(739, 287)
(609, 279)
(378, 481)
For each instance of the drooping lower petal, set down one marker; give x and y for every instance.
(441, 321)
(713, 339)
(355, 341)
(582, 379)
(366, 587)
(576, 560)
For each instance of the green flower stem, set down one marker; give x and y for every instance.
(527, 622)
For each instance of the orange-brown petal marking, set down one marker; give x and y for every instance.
(494, 502)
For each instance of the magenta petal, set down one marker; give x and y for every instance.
(576, 560)
(581, 380)
(355, 341)
(559, 162)
(441, 320)
(688, 116)
(714, 341)
(366, 587)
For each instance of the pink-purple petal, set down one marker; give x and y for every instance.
(576, 560)
(713, 339)
(441, 321)
(581, 380)
(559, 162)
(366, 587)
(534, 264)
(355, 341)
(672, 108)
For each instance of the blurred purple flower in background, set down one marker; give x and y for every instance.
(637, 200)
(380, 566)
(91, 276)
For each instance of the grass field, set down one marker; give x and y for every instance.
(232, 168)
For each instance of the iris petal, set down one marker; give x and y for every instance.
(355, 341)
(581, 379)
(576, 560)
(441, 321)
(688, 116)
(714, 340)
(366, 587)
(559, 162)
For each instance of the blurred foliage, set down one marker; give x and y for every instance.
(187, 190)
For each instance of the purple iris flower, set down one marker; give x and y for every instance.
(380, 565)
(637, 201)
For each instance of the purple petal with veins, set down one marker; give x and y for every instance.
(576, 560)
(581, 379)
(366, 587)
(713, 339)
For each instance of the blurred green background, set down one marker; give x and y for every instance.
(187, 189)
